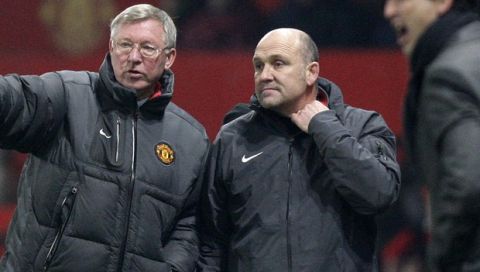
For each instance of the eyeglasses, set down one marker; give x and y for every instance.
(146, 50)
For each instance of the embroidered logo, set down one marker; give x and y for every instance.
(165, 153)
(246, 159)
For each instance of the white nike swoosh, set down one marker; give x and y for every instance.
(246, 159)
(105, 134)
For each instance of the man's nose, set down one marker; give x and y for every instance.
(135, 54)
(266, 73)
(389, 9)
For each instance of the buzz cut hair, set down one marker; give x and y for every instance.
(310, 49)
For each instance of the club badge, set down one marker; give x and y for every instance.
(165, 153)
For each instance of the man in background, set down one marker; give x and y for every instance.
(441, 38)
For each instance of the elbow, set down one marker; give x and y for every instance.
(379, 198)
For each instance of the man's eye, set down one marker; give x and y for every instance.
(125, 45)
(149, 49)
(278, 64)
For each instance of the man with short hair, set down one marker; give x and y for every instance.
(111, 180)
(295, 184)
(442, 120)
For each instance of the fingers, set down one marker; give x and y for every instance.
(300, 119)
(315, 107)
(303, 116)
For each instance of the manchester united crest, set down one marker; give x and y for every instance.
(165, 153)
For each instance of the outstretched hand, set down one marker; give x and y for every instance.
(303, 117)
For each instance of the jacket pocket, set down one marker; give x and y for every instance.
(66, 211)
(108, 143)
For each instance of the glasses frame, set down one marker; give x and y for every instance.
(127, 50)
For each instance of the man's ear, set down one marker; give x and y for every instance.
(312, 72)
(444, 6)
(171, 54)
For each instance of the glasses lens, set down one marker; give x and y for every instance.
(148, 51)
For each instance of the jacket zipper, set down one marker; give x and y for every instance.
(130, 193)
(53, 248)
(380, 150)
(289, 245)
(118, 140)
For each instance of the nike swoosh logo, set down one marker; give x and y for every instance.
(105, 134)
(246, 159)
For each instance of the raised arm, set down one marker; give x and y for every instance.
(31, 110)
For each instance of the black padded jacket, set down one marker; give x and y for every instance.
(108, 185)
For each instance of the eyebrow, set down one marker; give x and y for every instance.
(270, 57)
(140, 43)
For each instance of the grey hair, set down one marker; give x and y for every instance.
(142, 12)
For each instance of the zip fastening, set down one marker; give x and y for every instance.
(53, 248)
(118, 140)
(289, 244)
(130, 193)
(380, 150)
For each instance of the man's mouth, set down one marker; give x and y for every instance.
(401, 32)
(268, 91)
(134, 74)
(268, 87)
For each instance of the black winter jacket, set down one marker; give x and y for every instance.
(108, 186)
(278, 199)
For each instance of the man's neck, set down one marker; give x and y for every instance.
(142, 94)
(309, 96)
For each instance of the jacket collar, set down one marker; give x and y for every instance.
(113, 95)
(335, 96)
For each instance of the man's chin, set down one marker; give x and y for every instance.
(268, 104)
(135, 85)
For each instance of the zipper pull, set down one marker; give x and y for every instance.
(380, 150)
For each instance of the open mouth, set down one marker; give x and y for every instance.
(401, 32)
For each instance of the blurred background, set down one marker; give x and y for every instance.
(216, 41)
